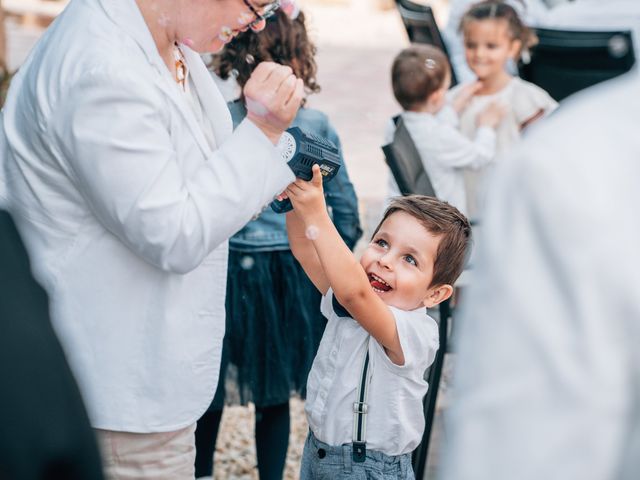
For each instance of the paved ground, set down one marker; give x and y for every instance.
(357, 41)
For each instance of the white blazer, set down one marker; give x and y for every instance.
(126, 210)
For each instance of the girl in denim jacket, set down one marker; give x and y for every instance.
(274, 324)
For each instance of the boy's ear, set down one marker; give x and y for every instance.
(438, 295)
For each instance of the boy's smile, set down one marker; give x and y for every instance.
(399, 261)
(378, 284)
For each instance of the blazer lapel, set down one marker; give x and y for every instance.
(127, 15)
(213, 103)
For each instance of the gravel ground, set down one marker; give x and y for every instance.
(235, 457)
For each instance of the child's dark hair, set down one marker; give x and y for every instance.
(417, 72)
(440, 219)
(499, 9)
(283, 40)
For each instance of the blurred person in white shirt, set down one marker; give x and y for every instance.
(548, 378)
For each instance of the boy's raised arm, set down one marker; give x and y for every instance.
(305, 253)
(341, 270)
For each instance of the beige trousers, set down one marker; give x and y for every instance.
(148, 456)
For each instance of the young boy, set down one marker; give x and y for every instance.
(420, 78)
(372, 418)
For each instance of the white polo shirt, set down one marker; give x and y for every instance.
(395, 419)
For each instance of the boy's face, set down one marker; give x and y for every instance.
(399, 261)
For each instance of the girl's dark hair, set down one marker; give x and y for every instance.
(283, 41)
(499, 9)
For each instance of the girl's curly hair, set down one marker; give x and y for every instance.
(283, 40)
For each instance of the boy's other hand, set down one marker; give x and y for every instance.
(492, 115)
(273, 95)
(465, 95)
(308, 197)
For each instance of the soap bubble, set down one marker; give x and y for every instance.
(250, 59)
(235, 73)
(312, 232)
(247, 262)
(618, 46)
(430, 63)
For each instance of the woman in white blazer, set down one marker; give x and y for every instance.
(126, 181)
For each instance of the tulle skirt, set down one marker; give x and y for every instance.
(273, 329)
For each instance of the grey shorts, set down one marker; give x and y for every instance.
(324, 462)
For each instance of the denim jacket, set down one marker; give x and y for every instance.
(268, 232)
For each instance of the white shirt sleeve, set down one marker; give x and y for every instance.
(418, 334)
(449, 148)
(326, 307)
(449, 116)
(114, 138)
(527, 100)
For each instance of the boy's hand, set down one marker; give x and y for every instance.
(308, 197)
(273, 95)
(465, 95)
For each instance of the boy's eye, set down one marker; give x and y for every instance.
(411, 260)
(381, 243)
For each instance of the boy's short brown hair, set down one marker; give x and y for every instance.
(417, 72)
(440, 219)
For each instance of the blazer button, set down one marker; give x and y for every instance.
(322, 453)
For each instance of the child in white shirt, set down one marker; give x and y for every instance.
(494, 35)
(376, 309)
(420, 78)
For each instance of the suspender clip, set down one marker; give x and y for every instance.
(359, 452)
(360, 407)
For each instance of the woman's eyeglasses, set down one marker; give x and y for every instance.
(267, 12)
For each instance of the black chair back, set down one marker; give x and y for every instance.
(566, 61)
(421, 27)
(405, 163)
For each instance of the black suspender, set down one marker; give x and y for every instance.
(360, 408)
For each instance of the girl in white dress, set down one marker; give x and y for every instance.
(494, 34)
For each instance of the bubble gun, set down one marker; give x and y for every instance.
(301, 150)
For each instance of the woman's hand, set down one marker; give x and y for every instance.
(273, 95)
(308, 197)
